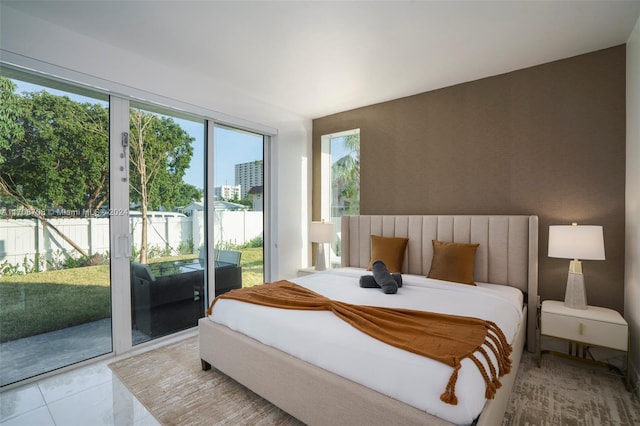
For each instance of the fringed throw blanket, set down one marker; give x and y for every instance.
(445, 338)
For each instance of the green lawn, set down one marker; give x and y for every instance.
(36, 303)
(46, 301)
(252, 267)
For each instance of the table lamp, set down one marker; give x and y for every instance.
(321, 233)
(576, 242)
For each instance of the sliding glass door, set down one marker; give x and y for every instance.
(167, 221)
(239, 200)
(113, 226)
(55, 287)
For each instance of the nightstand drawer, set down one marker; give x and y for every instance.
(584, 330)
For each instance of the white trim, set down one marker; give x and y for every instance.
(325, 177)
(119, 227)
(269, 209)
(210, 280)
(343, 133)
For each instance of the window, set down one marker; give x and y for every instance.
(340, 174)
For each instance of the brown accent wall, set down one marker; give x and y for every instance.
(547, 140)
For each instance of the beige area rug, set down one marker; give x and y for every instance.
(172, 385)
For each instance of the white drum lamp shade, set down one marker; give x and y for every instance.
(321, 233)
(576, 242)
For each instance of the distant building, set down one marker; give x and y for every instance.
(257, 198)
(228, 192)
(248, 175)
(190, 208)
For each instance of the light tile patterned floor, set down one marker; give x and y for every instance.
(89, 395)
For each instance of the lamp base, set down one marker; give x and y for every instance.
(575, 296)
(320, 262)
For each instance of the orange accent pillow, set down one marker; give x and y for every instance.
(390, 250)
(453, 262)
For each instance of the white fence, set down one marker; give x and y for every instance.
(24, 240)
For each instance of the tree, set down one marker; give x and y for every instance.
(60, 158)
(346, 177)
(56, 154)
(160, 153)
(186, 194)
(44, 164)
(10, 128)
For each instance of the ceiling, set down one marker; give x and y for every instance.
(318, 58)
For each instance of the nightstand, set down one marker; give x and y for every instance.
(583, 328)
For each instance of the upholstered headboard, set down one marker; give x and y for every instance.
(507, 255)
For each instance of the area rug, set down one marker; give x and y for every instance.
(567, 392)
(171, 384)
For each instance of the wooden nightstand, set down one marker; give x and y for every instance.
(584, 328)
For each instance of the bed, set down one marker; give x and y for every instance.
(311, 372)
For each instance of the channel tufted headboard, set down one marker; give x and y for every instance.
(507, 255)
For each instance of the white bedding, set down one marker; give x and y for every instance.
(320, 338)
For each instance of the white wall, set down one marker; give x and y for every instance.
(632, 196)
(42, 41)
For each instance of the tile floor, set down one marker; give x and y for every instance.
(86, 396)
(89, 395)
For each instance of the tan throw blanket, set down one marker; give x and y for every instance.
(445, 338)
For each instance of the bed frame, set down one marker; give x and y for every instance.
(507, 255)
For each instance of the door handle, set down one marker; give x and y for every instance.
(123, 246)
(127, 246)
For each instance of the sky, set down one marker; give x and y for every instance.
(338, 149)
(232, 147)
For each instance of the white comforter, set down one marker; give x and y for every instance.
(321, 338)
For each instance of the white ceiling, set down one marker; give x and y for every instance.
(318, 58)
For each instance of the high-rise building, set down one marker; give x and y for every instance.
(248, 175)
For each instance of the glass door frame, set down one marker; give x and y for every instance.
(119, 224)
(57, 353)
(269, 225)
(120, 96)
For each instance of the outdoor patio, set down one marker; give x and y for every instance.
(28, 357)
